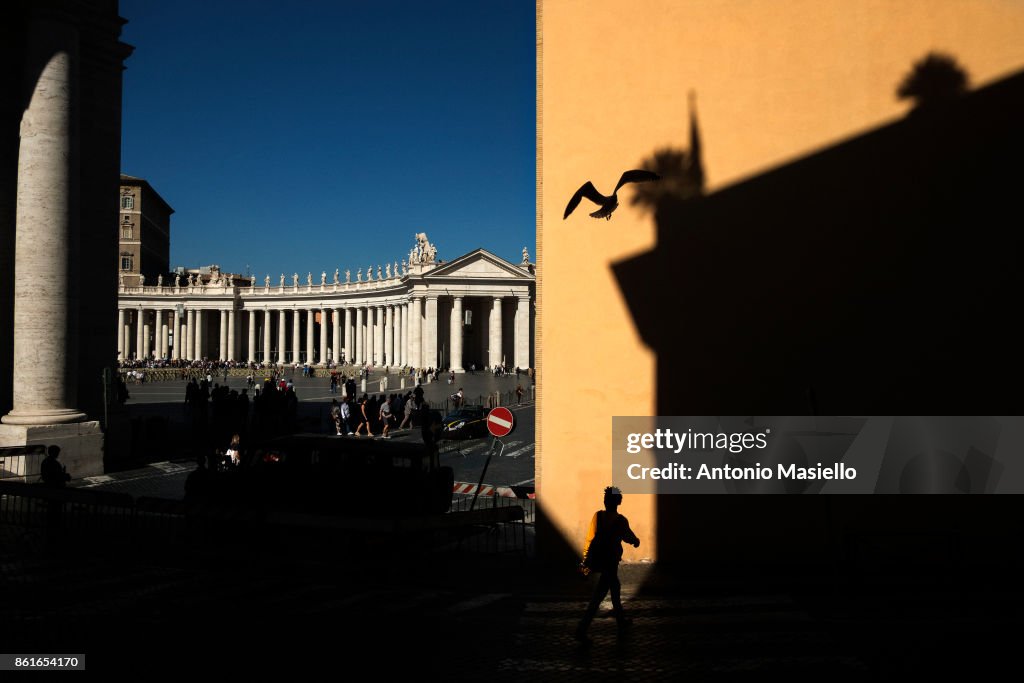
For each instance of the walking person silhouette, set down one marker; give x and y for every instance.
(602, 552)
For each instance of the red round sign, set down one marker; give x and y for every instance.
(501, 422)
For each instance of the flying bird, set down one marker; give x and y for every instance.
(607, 204)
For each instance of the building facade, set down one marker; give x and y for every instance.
(143, 231)
(475, 310)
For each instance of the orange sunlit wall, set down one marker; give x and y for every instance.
(774, 80)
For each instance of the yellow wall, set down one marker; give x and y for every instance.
(775, 79)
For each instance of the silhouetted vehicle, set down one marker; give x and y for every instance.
(464, 423)
(322, 474)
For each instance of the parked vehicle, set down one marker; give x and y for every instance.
(464, 423)
(324, 474)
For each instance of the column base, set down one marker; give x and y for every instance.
(81, 447)
(458, 371)
(43, 417)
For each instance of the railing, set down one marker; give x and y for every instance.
(22, 462)
(85, 519)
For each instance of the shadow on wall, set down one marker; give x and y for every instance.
(881, 276)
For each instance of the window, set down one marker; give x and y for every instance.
(126, 261)
(469, 317)
(127, 202)
(126, 232)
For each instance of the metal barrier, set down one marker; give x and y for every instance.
(90, 519)
(21, 462)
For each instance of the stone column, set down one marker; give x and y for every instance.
(176, 351)
(378, 336)
(310, 315)
(522, 340)
(231, 334)
(283, 336)
(415, 333)
(323, 335)
(406, 355)
(494, 352)
(349, 351)
(126, 334)
(252, 336)
(430, 334)
(120, 334)
(200, 334)
(140, 333)
(336, 330)
(165, 337)
(389, 336)
(190, 336)
(268, 317)
(222, 353)
(359, 335)
(398, 334)
(146, 332)
(455, 332)
(44, 374)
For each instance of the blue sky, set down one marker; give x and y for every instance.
(307, 137)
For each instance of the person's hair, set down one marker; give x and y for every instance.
(235, 440)
(613, 495)
(53, 451)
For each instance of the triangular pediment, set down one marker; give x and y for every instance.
(480, 264)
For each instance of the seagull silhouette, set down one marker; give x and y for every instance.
(607, 204)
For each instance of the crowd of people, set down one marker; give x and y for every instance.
(377, 415)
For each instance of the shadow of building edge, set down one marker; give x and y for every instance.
(876, 273)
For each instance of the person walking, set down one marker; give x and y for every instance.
(364, 419)
(602, 552)
(519, 393)
(385, 417)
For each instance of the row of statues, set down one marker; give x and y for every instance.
(422, 254)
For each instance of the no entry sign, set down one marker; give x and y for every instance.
(501, 422)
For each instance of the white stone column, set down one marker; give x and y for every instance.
(406, 355)
(146, 332)
(231, 334)
(359, 335)
(252, 336)
(268, 318)
(200, 334)
(282, 327)
(348, 335)
(165, 336)
(455, 332)
(310, 319)
(398, 353)
(378, 336)
(126, 334)
(176, 350)
(415, 332)
(494, 352)
(120, 334)
(190, 334)
(389, 335)
(140, 333)
(522, 340)
(44, 374)
(222, 353)
(430, 334)
(335, 334)
(324, 327)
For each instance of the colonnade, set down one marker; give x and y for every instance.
(405, 331)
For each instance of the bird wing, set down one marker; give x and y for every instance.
(587, 190)
(636, 176)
